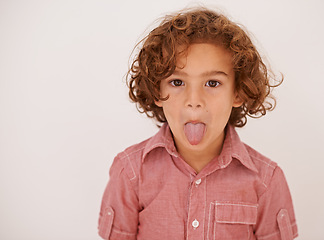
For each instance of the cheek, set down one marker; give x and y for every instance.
(221, 109)
(164, 89)
(171, 110)
(221, 100)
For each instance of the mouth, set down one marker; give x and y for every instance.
(194, 132)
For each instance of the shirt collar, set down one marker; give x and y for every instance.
(164, 139)
(233, 147)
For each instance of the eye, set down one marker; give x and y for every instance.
(176, 82)
(212, 83)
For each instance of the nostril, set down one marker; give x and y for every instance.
(196, 106)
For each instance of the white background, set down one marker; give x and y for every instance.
(64, 110)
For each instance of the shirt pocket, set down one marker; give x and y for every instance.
(231, 220)
(105, 222)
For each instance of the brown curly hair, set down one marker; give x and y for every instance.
(158, 55)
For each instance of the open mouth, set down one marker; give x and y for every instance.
(194, 132)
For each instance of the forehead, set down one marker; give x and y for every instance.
(204, 57)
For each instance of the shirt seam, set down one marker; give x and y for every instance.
(124, 233)
(127, 155)
(209, 219)
(269, 167)
(125, 175)
(131, 185)
(265, 177)
(277, 233)
(135, 151)
(243, 204)
(271, 164)
(205, 195)
(266, 186)
(188, 221)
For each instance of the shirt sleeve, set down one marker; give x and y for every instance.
(276, 217)
(119, 208)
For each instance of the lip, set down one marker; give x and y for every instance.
(195, 122)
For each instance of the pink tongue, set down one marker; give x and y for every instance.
(194, 132)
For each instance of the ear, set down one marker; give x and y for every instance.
(158, 103)
(237, 101)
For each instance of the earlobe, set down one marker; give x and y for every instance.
(238, 102)
(158, 103)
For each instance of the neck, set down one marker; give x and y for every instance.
(196, 161)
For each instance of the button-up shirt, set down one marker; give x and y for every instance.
(153, 193)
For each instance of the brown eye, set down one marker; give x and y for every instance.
(212, 83)
(176, 82)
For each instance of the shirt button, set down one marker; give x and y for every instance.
(195, 223)
(198, 181)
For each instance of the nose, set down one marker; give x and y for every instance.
(194, 98)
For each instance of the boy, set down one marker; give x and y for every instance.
(199, 74)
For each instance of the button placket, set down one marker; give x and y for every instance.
(195, 223)
(197, 207)
(197, 182)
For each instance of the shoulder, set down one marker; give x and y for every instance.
(133, 152)
(265, 166)
(131, 159)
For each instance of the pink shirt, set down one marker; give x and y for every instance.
(154, 194)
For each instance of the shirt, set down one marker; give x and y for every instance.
(153, 194)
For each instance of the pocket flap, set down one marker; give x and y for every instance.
(236, 213)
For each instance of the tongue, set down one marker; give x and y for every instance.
(194, 132)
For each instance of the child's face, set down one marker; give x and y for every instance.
(201, 96)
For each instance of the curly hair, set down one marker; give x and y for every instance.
(158, 55)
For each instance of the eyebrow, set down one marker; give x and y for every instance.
(204, 74)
